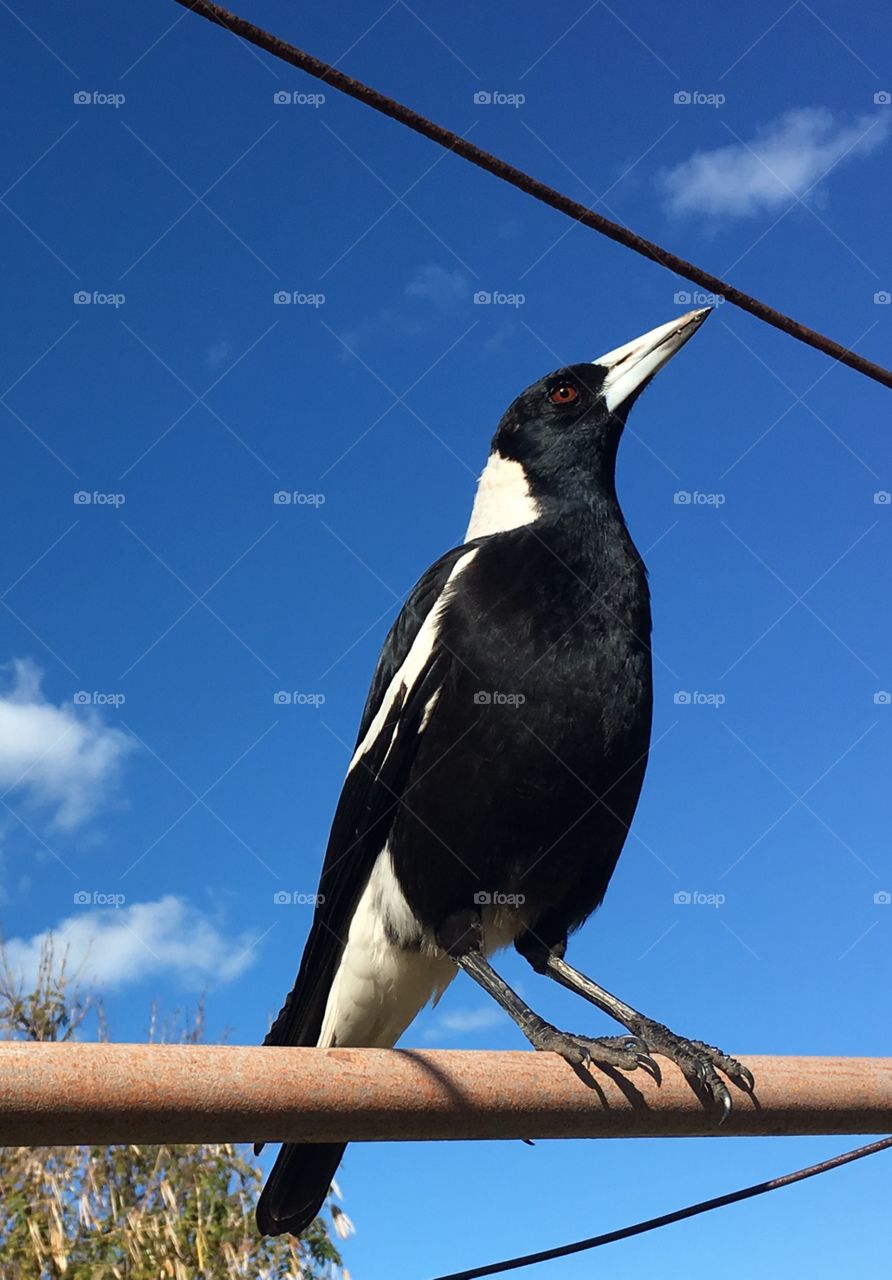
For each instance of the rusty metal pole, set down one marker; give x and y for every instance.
(57, 1094)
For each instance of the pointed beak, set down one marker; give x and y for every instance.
(630, 367)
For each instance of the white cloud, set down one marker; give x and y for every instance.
(115, 947)
(438, 286)
(431, 284)
(62, 757)
(465, 1021)
(217, 353)
(502, 338)
(789, 155)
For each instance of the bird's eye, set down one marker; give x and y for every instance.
(564, 393)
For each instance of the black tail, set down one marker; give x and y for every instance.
(296, 1189)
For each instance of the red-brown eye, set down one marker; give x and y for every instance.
(563, 394)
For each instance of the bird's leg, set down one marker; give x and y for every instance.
(461, 937)
(699, 1062)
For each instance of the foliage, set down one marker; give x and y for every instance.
(131, 1212)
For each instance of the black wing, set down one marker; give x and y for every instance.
(365, 810)
(401, 635)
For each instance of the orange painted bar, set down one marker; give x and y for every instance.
(68, 1094)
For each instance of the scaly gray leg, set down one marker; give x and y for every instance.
(462, 938)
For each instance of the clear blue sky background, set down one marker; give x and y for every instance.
(197, 398)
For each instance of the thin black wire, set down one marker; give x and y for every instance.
(639, 1228)
(548, 195)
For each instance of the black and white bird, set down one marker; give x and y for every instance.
(499, 761)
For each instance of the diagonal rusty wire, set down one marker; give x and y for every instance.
(525, 182)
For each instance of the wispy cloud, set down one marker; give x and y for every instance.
(117, 947)
(217, 353)
(64, 758)
(431, 286)
(442, 288)
(786, 158)
(465, 1022)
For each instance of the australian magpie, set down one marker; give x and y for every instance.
(498, 762)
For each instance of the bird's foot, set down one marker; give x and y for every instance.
(700, 1063)
(626, 1053)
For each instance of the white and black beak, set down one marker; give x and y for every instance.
(629, 368)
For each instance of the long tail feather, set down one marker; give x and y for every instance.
(297, 1187)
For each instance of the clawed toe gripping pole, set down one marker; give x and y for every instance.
(700, 1063)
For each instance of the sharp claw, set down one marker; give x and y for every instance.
(725, 1099)
(699, 1062)
(651, 1066)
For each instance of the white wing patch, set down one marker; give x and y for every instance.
(388, 972)
(414, 662)
(503, 500)
(390, 967)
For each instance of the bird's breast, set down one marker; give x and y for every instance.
(558, 628)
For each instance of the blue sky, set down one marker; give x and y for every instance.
(180, 197)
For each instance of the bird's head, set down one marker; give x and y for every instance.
(556, 443)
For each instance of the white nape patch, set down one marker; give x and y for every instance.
(413, 663)
(380, 986)
(503, 500)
